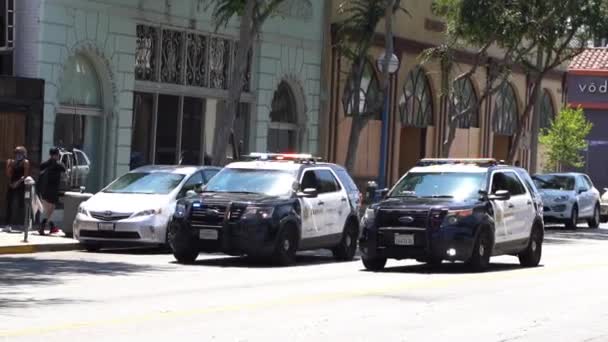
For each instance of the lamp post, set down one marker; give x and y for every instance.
(393, 66)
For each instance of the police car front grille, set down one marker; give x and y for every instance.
(402, 218)
(208, 215)
(236, 212)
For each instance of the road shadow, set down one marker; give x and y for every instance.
(136, 251)
(18, 273)
(559, 234)
(449, 268)
(302, 259)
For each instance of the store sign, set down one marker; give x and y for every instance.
(587, 89)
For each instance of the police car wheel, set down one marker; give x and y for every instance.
(181, 245)
(374, 264)
(480, 259)
(347, 248)
(286, 247)
(594, 222)
(530, 257)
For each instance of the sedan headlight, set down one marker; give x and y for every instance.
(180, 210)
(149, 212)
(82, 210)
(258, 212)
(561, 199)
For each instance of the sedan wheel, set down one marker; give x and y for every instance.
(594, 222)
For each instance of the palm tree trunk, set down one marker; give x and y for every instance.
(225, 122)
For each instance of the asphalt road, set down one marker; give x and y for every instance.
(145, 296)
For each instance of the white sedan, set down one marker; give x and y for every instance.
(137, 207)
(569, 198)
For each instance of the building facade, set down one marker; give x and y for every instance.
(588, 88)
(418, 115)
(136, 82)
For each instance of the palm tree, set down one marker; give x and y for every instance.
(253, 14)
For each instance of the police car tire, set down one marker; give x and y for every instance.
(480, 258)
(346, 250)
(286, 247)
(530, 257)
(374, 264)
(181, 245)
(594, 222)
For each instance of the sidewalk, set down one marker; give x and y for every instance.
(12, 243)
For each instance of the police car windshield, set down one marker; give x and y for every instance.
(267, 182)
(456, 185)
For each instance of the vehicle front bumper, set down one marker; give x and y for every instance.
(246, 237)
(138, 230)
(428, 244)
(604, 209)
(557, 212)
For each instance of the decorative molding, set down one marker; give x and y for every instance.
(298, 9)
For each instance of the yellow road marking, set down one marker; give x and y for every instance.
(17, 249)
(301, 300)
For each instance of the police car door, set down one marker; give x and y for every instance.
(502, 212)
(334, 201)
(521, 206)
(311, 218)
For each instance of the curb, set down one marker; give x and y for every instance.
(49, 247)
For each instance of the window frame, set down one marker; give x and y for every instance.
(517, 177)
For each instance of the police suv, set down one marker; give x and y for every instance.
(271, 206)
(456, 210)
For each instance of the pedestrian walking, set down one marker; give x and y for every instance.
(49, 183)
(17, 170)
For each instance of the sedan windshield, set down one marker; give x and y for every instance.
(459, 186)
(268, 182)
(145, 183)
(554, 182)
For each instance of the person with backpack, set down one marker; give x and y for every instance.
(16, 171)
(49, 184)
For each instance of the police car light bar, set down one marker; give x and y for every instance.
(282, 156)
(474, 161)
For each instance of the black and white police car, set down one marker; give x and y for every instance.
(456, 210)
(271, 206)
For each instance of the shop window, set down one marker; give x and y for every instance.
(369, 92)
(80, 84)
(166, 130)
(547, 111)
(69, 130)
(171, 57)
(464, 98)
(196, 60)
(416, 103)
(192, 131)
(219, 62)
(505, 113)
(282, 132)
(145, 53)
(141, 140)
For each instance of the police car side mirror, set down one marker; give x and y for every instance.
(500, 195)
(581, 191)
(383, 193)
(308, 193)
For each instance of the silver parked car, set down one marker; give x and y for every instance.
(569, 198)
(77, 165)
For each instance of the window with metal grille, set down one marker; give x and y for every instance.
(7, 24)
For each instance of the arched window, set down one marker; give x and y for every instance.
(463, 99)
(80, 84)
(547, 111)
(369, 91)
(505, 114)
(283, 127)
(416, 103)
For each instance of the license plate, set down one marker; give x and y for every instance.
(208, 234)
(106, 226)
(404, 239)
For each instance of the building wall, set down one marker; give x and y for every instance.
(104, 31)
(415, 32)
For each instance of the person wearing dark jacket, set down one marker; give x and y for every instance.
(16, 170)
(50, 181)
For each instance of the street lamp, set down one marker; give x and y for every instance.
(393, 66)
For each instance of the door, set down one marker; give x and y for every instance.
(333, 200)
(312, 211)
(503, 212)
(12, 134)
(521, 206)
(585, 197)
